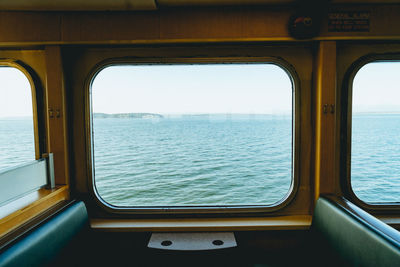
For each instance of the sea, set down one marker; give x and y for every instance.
(214, 160)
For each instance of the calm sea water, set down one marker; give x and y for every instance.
(375, 159)
(17, 144)
(214, 160)
(193, 160)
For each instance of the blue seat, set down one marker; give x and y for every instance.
(357, 237)
(43, 244)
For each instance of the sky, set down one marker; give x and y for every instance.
(15, 93)
(205, 88)
(376, 88)
(193, 89)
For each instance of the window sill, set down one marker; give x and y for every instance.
(21, 210)
(295, 222)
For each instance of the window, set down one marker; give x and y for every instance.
(17, 138)
(375, 152)
(192, 134)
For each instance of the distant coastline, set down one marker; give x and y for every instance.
(183, 116)
(129, 115)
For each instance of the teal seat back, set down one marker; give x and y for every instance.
(359, 238)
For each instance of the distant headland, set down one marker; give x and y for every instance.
(128, 115)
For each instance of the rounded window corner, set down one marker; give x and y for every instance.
(283, 202)
(352, 120)
(19, 113)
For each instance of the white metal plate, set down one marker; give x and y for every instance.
(192, 241)
(20, 180)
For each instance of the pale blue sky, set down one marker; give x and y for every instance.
(15, 93)
(178, 89)
(216, 88)
(376, 88)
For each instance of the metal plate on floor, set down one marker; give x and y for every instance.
(192, 241)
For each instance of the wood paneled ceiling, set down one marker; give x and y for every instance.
(102, 5)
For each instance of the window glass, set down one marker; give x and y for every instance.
(192, 135)
(375, 152)
(17, 144)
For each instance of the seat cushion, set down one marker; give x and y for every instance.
(43, 243)
(358, 237)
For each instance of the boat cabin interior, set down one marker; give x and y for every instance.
(199, 133)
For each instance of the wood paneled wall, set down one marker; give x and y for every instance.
(179, 25)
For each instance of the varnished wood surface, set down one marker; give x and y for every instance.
(44, 199)
(218, 224)
(29, 27)
(216, 24)
(57, 132)
(325, 110)
(297, 56)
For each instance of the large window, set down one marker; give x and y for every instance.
(192, 134)
(375, 152)
(17, 142)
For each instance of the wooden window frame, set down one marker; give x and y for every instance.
(234, 209)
